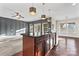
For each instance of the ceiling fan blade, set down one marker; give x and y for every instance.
(17, 14)
(14, 16)
(21, 16)
(11, 10)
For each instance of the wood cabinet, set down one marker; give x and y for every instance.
(37, 46)
(39, 39)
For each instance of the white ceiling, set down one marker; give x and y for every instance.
(59, 11)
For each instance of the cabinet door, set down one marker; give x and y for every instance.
(31, 31)
(28, 46)
(40, 47)
(37, 29)
(39, 50)
(51, 41)
(44, 28)
(47, 46)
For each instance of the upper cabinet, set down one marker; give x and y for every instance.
(38, 28)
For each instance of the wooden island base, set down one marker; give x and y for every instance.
(38, 46)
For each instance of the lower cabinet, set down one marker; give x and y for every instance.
(37, 46)
(39, 50)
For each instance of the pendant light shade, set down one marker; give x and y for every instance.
(32, 11)
(43, 16)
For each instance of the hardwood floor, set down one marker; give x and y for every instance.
(66, 47)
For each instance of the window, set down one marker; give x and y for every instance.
(71, 26)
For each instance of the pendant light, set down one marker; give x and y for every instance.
(32, 11)
(43, 16)
(49, 18)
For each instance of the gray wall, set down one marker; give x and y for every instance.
(10, 26)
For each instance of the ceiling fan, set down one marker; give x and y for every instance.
(17, 14)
